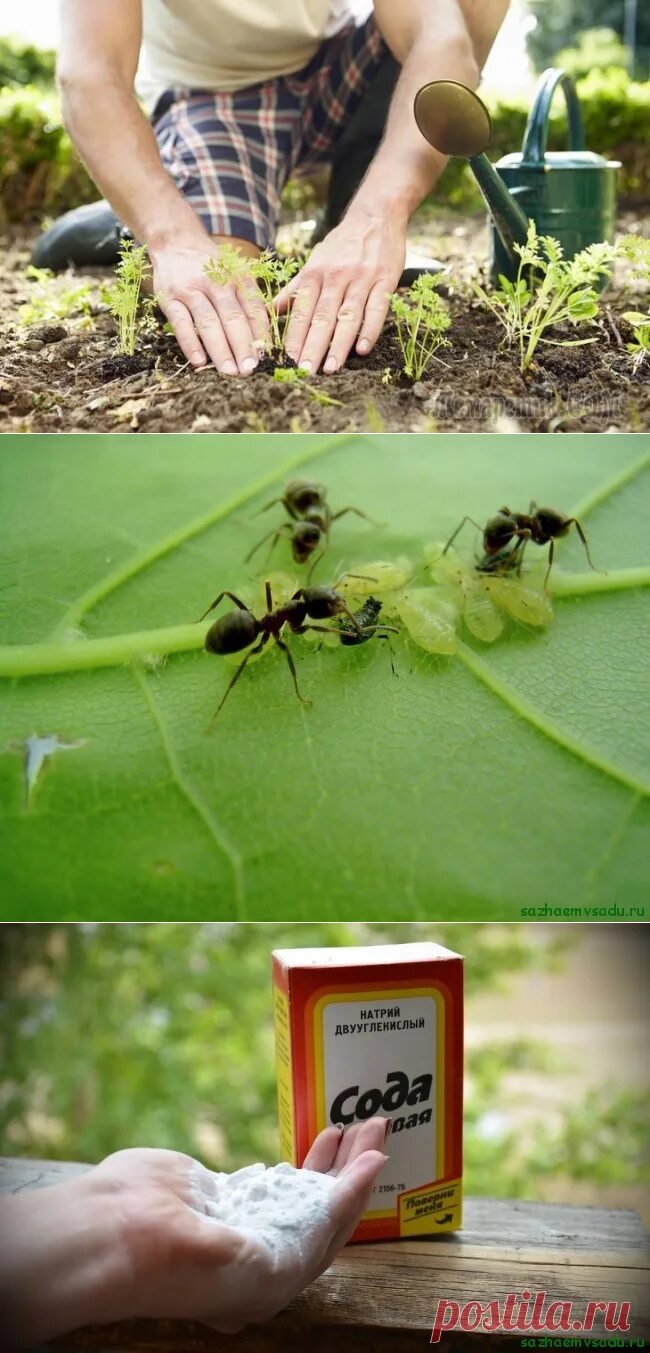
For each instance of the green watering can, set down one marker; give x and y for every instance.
(570, 194)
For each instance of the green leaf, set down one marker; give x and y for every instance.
(511, 775)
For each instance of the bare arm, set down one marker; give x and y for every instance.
(100, 47)
(344, 289)
(443, 40)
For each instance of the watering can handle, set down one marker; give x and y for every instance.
(536, 134)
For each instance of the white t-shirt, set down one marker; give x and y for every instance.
(229, 44)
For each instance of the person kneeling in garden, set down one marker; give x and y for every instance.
(241, 94)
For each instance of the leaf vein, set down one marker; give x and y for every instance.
(527, 711)
(216, 832)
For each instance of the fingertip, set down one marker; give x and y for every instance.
(363, 346)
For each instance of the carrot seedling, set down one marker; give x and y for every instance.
(549, 290)
(422, 319)
(294, 375)
(123, 297)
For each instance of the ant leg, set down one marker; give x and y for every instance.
(551, 553)
(271, 504)
(518, 549)
(390, 649)
(459, 529)
(292, 667)
(242, 605)
(583, 538)
(280, 531)
(313, 565)
(269, 596)
(358, 513)
(318, 629)
(257, 649)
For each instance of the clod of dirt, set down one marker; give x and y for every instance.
(49, 333)
(116, 368)
(272, 360)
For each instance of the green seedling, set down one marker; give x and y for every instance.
(422, 319)
(123, 297)
(272, 274)
(230, 268)
(639, 346)
(637, 249)
(294, 375)
(549, 290)
(50, 301)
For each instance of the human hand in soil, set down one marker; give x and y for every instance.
(130, 1239)
(226, 325)
(342, 294)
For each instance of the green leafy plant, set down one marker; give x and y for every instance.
(294, 375)
(637, 249)
(124, 296)
(466, 783)
(421, 319)
(49, 300)
(639, 346)
(230, 267)
(549, 290)
(272, 273)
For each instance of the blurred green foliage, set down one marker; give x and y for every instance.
(39, 169)
(23, 64)
(558, 21)
(161, 1035)
(595, 49)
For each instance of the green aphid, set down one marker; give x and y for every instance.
(430, 618)
(483, 598)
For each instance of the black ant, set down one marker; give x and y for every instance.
(365, 627)
(312, 520)
(542, 525)
(236, 630)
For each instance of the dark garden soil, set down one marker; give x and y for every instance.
(62, 377)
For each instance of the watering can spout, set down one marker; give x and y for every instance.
(455, 121)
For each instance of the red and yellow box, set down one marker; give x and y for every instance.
(372, 1031)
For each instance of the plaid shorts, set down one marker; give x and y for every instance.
(230, 154)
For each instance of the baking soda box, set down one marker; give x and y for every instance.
(377, 1031)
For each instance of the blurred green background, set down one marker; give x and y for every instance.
(161, 1035)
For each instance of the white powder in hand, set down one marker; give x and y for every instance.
(284, 1207)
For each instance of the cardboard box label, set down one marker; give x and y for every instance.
(383, 1059)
